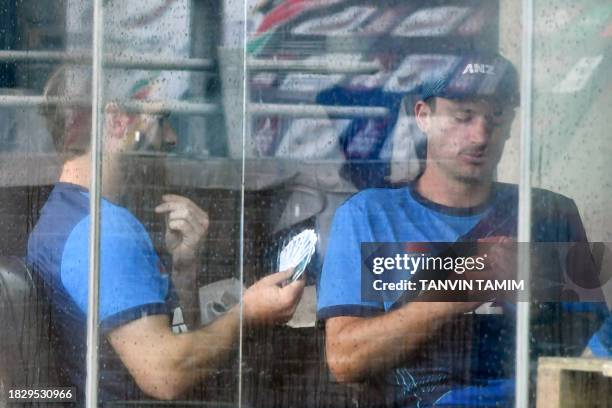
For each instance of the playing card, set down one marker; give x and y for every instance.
(297, 253)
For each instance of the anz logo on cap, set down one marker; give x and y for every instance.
(478, 69)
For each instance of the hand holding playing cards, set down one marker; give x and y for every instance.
(297, 253)
(267, 301)
(186, 228)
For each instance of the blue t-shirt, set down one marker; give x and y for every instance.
(133, 283)
(469, 362)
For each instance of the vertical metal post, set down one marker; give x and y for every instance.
(524, 214)
(245, 125)
(91, 382)
(205, 33)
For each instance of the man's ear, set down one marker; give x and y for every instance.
(422, 115)
(115, 121)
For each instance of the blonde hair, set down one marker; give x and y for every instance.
(67, 110)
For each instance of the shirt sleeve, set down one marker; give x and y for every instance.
(600, 343)
(339, 289)
(132, 284)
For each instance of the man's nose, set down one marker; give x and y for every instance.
(170, 137)
(480, 131)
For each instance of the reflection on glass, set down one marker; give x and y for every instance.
(416, 351)
(362, 65)
(572, 52)
(324, 52)
(28, 166)
(199, 199)
(155, 342)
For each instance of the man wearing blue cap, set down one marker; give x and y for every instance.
(458, 353)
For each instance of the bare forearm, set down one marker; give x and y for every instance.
(165, 365)
(185, 283)
(360, 347)
(206, 350)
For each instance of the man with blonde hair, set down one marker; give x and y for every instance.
(136, 292)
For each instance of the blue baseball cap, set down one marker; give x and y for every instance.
(473, 75)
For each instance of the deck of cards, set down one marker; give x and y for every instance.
(297, 253)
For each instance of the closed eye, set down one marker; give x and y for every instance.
(463, 119)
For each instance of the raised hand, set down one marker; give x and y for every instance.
(186, 229)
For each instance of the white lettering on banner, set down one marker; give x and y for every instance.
(450, 285)
(402, 285)
(446, 285)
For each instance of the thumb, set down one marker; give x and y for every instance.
(296, 286)
(292, 292)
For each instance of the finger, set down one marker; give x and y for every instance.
(179, 212)
(184, 210)
(176, 198)
(169, 206)
(278, 277)
(293, 291)
(182, 226)
(186, 214)
(185, 204)
(201, 217)
(192, 231)
(181, 206)
(196, 226)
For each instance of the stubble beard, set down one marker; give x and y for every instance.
(468, 176)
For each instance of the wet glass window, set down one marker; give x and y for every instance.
(305, 203)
